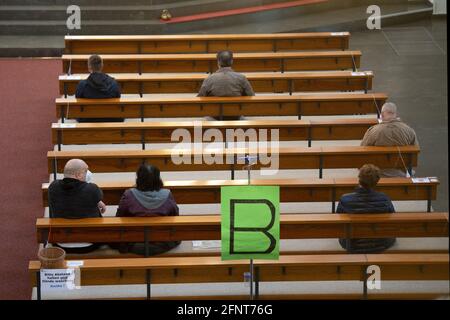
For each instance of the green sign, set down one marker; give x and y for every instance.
(250, 222)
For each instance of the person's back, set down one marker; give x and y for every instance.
(74, 198)
(366, 200)
(71, 199)
(98, 86)
(225, 82)
(390, 132)
(147, 199)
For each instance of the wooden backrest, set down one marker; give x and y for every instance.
(206, 43)
(160, 132)
(207, 62)
(260, 105)
(208, 227)
(424, 266)
(132, 83)
(291, 190)
(233, 158)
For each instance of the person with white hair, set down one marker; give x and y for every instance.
(73, 198)
(391, 131)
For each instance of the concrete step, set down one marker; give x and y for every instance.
(280, 20)
(123, 12)
(88, 2)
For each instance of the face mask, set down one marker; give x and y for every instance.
(88, 176)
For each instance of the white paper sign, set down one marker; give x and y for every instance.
(210, 244)
(420, 180)
(60, 279)
(67, 125)
(74, 263)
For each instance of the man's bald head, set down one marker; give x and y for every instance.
(76, 169)
(389, 111)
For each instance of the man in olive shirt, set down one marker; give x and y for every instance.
(225, 82)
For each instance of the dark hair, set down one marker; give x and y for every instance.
(225, 58)
(148, 178)
(369, 175)
(95, 63)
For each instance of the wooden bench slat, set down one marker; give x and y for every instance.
(261, 82)
(207, 43)
(291, 190)
(206, 62)
(160, 132)
(260, 105)
(288, 158)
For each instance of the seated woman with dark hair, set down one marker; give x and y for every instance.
(147, 199)
(366, 200)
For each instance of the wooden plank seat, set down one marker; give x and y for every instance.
(260, 105)
(133, 83)
(207, 62)
(206, 43)
(291, 190)
(208, 227)
(232, 159)
(160, 132)
(341, 267)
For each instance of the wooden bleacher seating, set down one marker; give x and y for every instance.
(291, 190)
(133, 83)
(206, 43)
(135, 62)
(160, 132)
(148, 271)
(288, 158)
(207, 62)
(148, 107)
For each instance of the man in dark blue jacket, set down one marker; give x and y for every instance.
(366, 200)
(98, 86)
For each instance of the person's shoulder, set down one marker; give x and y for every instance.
(381, 196)
(348, 197)
(55, 184)
(91, 187)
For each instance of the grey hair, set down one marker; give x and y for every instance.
(390, 107)
(74, 167)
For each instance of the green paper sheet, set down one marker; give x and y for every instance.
(250, 224)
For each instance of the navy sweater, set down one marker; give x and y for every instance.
(365, 201)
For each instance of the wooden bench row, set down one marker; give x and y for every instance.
(207, 62)
(208, 227)
(132, 83)
(260, 105)
(291, 190)
(231, 159)
(206, 43)
(148, 271)
(160, 132)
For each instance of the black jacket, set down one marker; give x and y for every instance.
(365, 201)
(98, 86)
(72, 198)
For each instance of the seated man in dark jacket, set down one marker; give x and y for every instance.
(74, 198)
(98, 86)
(366, 200)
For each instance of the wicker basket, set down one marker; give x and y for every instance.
(52, 258)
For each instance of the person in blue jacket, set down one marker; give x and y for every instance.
(366, 200)
(98, 85)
